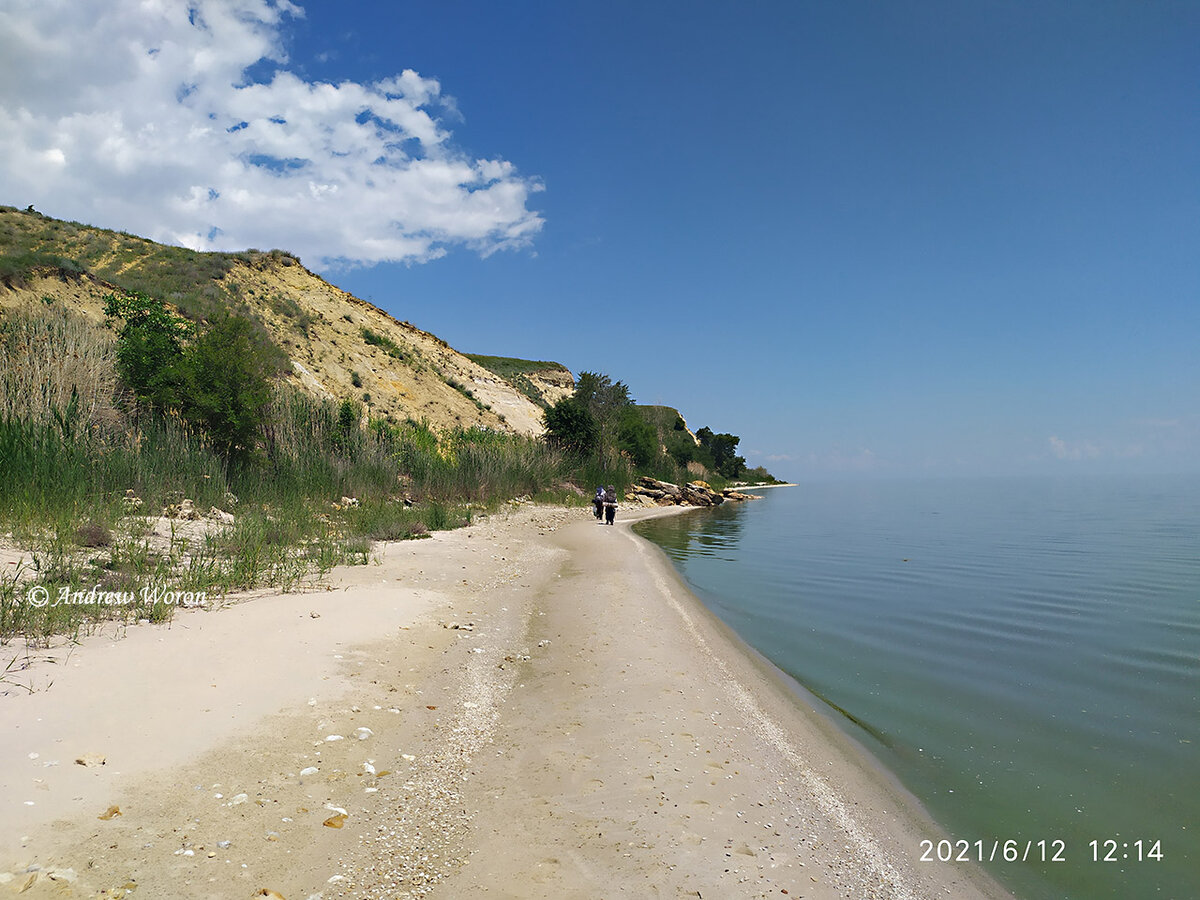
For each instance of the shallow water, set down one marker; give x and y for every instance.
(1023, 654)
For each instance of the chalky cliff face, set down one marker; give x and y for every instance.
(338, 346)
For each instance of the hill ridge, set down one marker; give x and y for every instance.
(337, 345)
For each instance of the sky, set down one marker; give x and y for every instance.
(872, 239)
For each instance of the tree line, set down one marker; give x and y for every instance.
(601, 421)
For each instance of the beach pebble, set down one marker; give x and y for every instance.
(239, 799)
(90, 760)
(333, 737)
(311, 770)
(363, 733)
(224, 845)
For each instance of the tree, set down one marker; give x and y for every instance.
(150, 347)
(226, 386)
(723, 448)
(606, 400)
(571, 426)
(637, 438)
(215, 379)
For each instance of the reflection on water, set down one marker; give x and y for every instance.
(714, 532)
(1024, 655)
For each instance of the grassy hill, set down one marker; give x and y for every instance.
(332, 344)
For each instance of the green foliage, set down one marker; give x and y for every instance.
(193, 282)
(723, 448)
(507, 366)
(571, 426)
(517, 371)
(637, 438)
(225, 385)
(382, 341)
(217, 380)
(759, 475)
(348, 417)
(594, 418)
(606, 400)
(18, 269)
(149, 348)
(290, 309)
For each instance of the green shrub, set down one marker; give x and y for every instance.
(382, 341)
(571, 426)
(226, 386)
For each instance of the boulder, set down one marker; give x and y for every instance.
(184, 509)
(738, 496)
(698, 493)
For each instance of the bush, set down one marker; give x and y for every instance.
(225, 384)
(571, 426)
(149, 348)
(382, 341)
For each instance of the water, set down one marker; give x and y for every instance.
(1023, 654)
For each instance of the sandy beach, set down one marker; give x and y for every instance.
(530, 707)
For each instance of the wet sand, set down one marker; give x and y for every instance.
(530, 707)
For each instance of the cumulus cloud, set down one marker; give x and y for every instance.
(142, 115)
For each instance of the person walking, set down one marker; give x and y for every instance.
(610, 504)
(598, 503)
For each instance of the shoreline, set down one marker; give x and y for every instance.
(509, 725)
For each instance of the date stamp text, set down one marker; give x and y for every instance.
(1015, 850)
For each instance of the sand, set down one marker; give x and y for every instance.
(530, 707)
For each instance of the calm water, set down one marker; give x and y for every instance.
(1023, 654)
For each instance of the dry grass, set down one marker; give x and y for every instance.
(52, 355)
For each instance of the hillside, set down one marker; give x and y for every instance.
(337, 345)
(545, 383)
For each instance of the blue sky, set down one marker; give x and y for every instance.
(873, 239)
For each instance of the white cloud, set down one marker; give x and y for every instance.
(137, 114)
(1073, 450)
